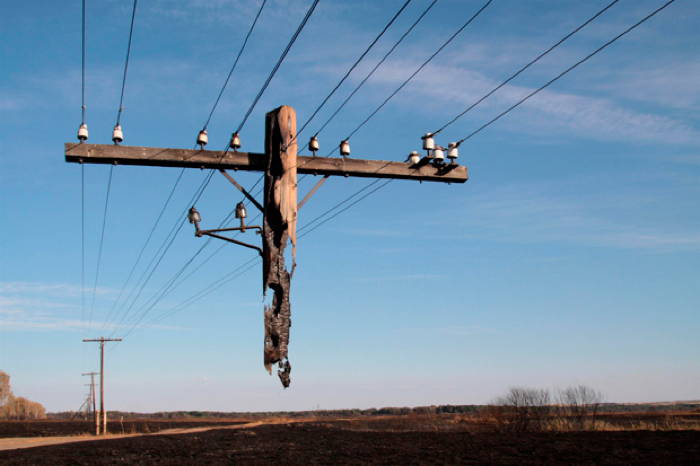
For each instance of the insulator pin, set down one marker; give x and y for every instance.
(452, 151)
(345, 148)
(314, 145)
(235, 141)
(428, 141)
(83, 132)
(117, 134)
(202, 138)
(439, 154)
(193, 216)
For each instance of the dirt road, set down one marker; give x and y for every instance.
(17, 443)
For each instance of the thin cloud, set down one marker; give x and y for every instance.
(48, 289)
(519, 214)
(593, 117)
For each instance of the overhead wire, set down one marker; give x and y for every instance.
(235, 63)
(420, 68)
(126, 63)
(221, 281)
(171, 283)
(277, 65)
(83, 108)
(241, 269)
(102, 237)
(150, 269)
(351, 69)
(375, 68)
(169, 239)
(530, 63)
(563, 73)
(145, 244)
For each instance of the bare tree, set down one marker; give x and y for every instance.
(579, 406)
(522, 409)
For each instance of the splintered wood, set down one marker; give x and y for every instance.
(279, 226)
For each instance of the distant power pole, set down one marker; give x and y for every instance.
(103, 413)
(93, 401)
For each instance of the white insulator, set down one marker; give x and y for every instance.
(83, 132)
(235, 141)
(452, 151)
(428, 141)
(344, 147)
(117, 134)
(414, 158)
(314, 145)
(439, 154)
(203, 138)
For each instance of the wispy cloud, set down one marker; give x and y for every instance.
(526, 214)
(550, 110)
(402, 277)
(57, 324)
(47, 289)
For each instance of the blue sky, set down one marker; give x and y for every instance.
(570, 256)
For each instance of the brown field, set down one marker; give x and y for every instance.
(410, 439)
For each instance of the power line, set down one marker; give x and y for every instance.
(82, 242)
(126, 63)
(348, 206)
(535, 60)
(237, 272)
(277, 65)
(218, 283)
(548, 83)
(208, 177)
(352, 68)
(102, 237)
(84, 34)
(145, 244)
(235, 62)
(171, 283)
(202, 187)
(420, 68)
(161, 252)
(369, 75)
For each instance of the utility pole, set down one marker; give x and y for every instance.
(93, 401)
(103, 413)
(280, 165)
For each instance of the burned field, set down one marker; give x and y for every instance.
(386, 440)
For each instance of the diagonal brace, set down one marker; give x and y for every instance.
(242, 189)
(313, 191)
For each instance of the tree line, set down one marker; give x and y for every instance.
(16, 407)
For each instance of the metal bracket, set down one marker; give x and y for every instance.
(213, 234)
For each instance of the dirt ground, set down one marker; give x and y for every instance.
(46, 428)
(342, 443)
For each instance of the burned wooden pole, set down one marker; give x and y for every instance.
(279, 227)
(280, 165)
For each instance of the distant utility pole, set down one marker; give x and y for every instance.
(103, 413)
(280, 165)
(93, 401)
